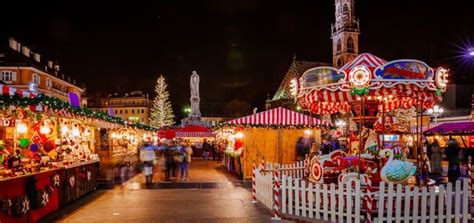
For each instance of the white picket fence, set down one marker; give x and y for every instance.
(344, 202)
(264, 179)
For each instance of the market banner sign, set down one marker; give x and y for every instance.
(404, 70)
(321, 76)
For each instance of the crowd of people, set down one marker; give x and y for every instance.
(174, 158)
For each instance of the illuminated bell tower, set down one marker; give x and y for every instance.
(345, 34)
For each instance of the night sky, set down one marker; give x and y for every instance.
(241, 48)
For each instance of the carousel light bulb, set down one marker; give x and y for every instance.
(370, 97)
(64, 129)
(390, 96)
(429, 111)
(45, 130)
(307, 131)
(239, 135)
(75, 132)
(358, 98)
(21, 127)
(379, 98)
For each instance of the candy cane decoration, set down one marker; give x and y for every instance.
(254, 184)
(306, 166)
(263, 168)
(368, 199)
(469, 175)
(276, 193)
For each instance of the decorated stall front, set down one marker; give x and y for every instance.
(381, 100)
(48, 153)
(271, 135)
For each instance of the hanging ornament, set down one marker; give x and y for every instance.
(49, 189)
(42, 198)
(72, 181)
(55, 180)
(49, 146)
(34, 148)
(24, 142)
(6, 205)
(21, 206)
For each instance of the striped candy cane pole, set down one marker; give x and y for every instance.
(254, 183)
(469, 175)
(263, 169)
(276, 193)
(368, 198)
(306, 166)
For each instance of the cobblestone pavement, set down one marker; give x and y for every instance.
(132, 203)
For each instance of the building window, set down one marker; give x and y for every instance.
(120, 111)
(350, 44)
(126, 111)
(36, 79)
(346, 8)
(143, 111)
(8, 76)
(339, 62)
(49, 83)
(338, 47)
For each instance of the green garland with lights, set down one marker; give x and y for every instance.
(57, 105)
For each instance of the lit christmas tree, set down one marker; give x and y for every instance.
(162, 112)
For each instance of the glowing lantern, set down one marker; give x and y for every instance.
(75, 132)
(45, 130)
(21, 127)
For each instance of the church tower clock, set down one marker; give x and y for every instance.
(345, 34)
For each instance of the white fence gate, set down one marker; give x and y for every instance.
(344, 202)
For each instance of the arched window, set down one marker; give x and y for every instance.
(350, 44)
(339, 62)
(346, 8)
(338, 47)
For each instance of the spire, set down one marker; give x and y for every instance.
(345, 33)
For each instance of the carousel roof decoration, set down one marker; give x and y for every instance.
(401, 83)
(297, 68)
(276, 117)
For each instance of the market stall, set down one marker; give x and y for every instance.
(462, 132)
(48, 153)
(271, 135)
(383, 100)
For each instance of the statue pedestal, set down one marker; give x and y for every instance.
(195, 113)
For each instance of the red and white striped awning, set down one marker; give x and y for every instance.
(194, 131)
(365, 59)
(7, 90)
(277, 116)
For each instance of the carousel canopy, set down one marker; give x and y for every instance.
(277, 116)
(395, 84)
(457, 128)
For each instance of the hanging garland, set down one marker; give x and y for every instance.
(58, 105)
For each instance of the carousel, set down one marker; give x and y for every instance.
(381, 101)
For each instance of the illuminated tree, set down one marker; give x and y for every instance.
(162, 112)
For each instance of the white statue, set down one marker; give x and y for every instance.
(194, 85)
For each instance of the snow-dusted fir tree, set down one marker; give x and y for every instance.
(162, 112)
